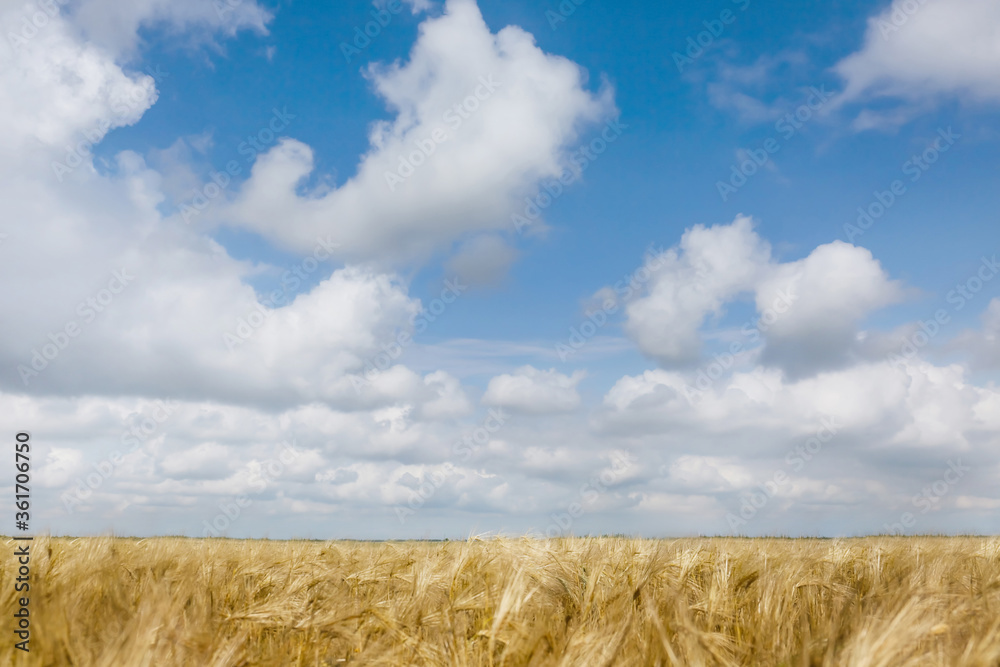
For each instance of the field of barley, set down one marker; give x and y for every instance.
(889, 601)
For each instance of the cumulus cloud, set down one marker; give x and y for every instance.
(822, 442)
(915, 405)
(820, 301)
(810, 309)
(534, 391)
(60, 90)
(921, 50)
(696, 460)
(480, 120)
(61, 76)
(710, 266)
(184, 324)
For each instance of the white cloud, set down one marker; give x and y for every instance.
(60, 68)
(920, 50)
(534, 391)
(809, 309)
(507, 113)
(830, 293)
(61, 465)
(450, 401)
(59, 90)
(710, 473)
(187, 326)
(360, 465)
(917, 406)
(115, 25)
(710, 267)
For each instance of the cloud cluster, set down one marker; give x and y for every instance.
(863, 436)
(710, 267)
(808, 310)
(187, 324)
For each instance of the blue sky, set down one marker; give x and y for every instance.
(820, 111)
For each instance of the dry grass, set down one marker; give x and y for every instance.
(608, 601)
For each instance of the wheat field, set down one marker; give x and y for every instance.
(889, 601)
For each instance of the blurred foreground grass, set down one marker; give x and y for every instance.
(889, 601)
